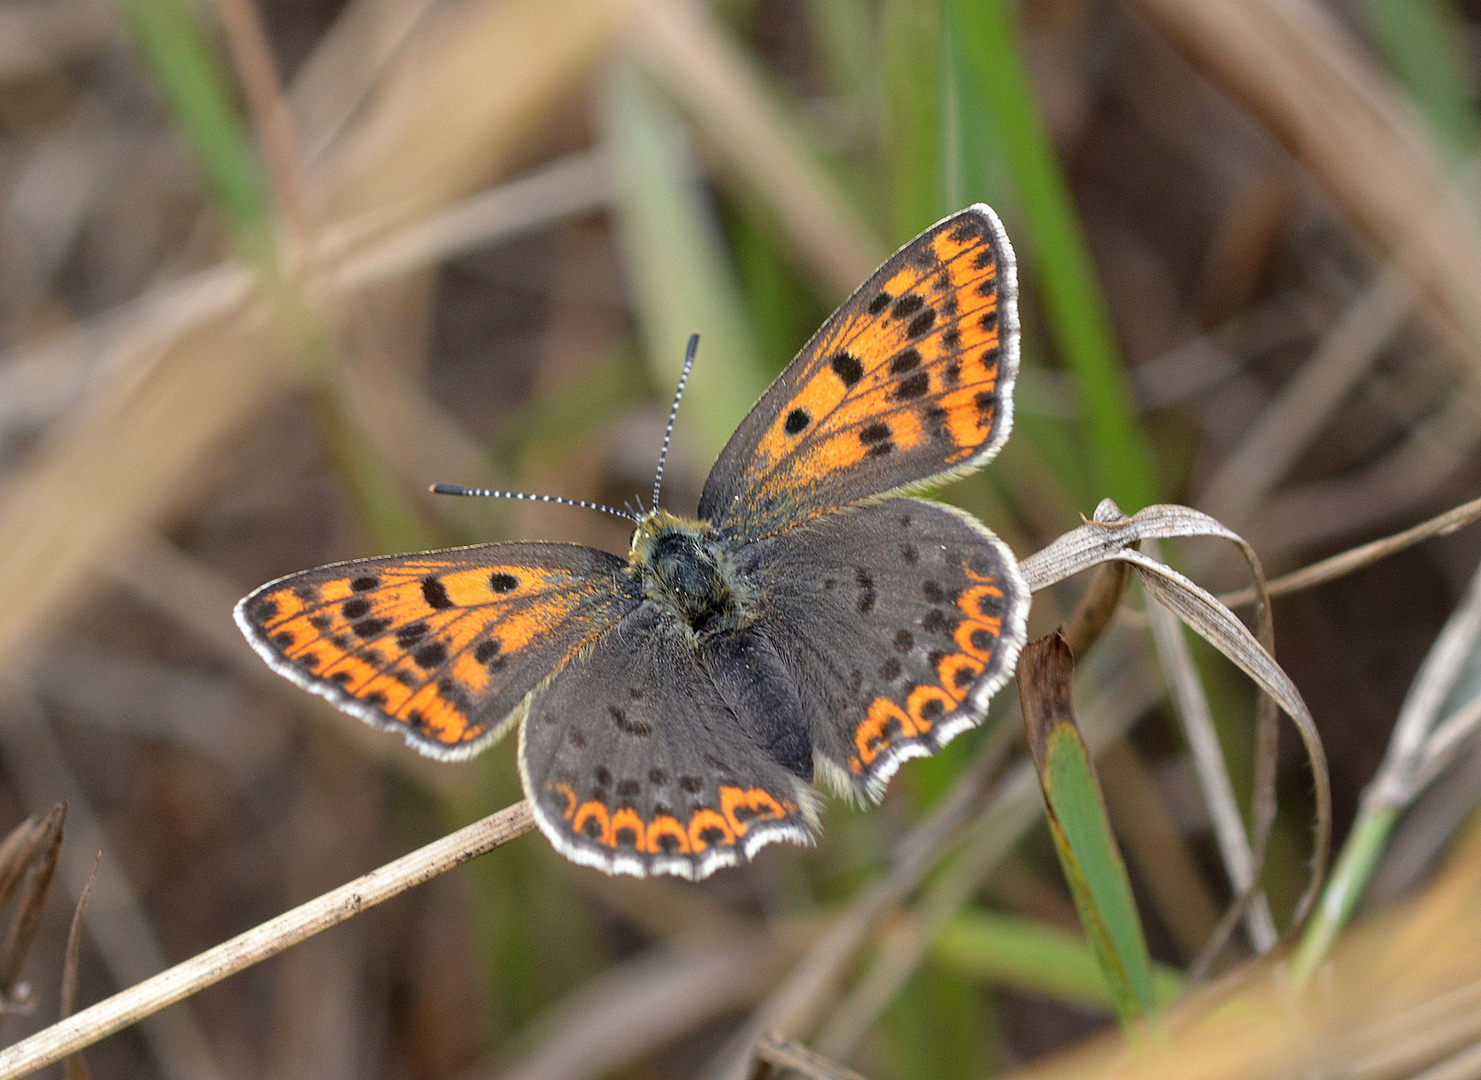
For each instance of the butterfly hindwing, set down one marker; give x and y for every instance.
(442, 646)
(911, 378)
(898, 621)
(636, 764)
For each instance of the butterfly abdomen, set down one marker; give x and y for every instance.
(755, 684)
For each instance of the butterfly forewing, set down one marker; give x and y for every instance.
(443, 646)
(910, 379)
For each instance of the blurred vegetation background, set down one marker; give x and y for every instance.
(268, 268)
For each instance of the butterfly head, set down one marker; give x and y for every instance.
(686, 571)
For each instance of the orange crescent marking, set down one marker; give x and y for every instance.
(964, 633)
(626, 817)
(703, 820)
(662, 826)
(970, 601)
(564, 790)
(757, 800)
(951, 667)
(589, 811)
(870, 736)
(915, 705)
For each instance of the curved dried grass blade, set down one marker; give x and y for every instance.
(1346, 562)
(25, 917)
(75, 1068)
(1192, 708)
(788, 1056)
(1111, 535)
(18, 849)
(1220, 628)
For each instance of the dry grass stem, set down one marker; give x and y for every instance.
(679, 45)
(129, 457)
(1310, 83)
(345, 67)
(1407, 477)
(1212, 770)
(1306, 403)
(1096, 608)
(573, 185)
(271, 118)
(648, 1001)
(1413, 756)
(68, 996)
(75, 1068)
(1330, 569)
(263, 941)
(785, 1055)
(119, 928)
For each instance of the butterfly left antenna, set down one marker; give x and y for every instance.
(458, 489)
(668, 432)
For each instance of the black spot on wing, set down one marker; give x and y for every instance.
(908, 360)
(922, 322)
(907, 306)
(430, 655)
(915, 386)
(637, 728)
(847, 367)
(435, 594)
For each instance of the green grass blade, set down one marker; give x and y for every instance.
(682, 279)
(1425, 41)
(1350, 876)
(845, 41)
(1082, 835)
(992, 81)
(1027, 954)
(910, 50)
(191, 75)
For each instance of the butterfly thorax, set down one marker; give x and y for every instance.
(686, 571)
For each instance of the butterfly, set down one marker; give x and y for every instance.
(812, 622)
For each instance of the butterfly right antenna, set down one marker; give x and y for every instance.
(459, 489)
(668, 433)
